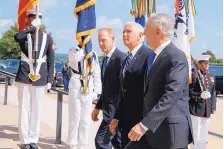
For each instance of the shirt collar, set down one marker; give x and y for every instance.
(161, 47)
(109, 54)
(135, 50)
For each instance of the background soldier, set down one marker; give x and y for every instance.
(202, 102)
(32, 79)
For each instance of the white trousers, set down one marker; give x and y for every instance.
(200, 131)
(80, 108)
(29, 112)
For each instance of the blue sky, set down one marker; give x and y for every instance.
(60, 20)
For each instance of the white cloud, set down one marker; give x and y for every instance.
(219, 33)
(162, 8)
(46, 4)
(103, 21)
(65, 33)
(6, 22)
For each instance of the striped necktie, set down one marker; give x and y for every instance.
(128, 61)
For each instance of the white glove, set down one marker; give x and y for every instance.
(94, 96)
(48, 86)
(36, 22)
(205, 95)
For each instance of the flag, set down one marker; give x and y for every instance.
(141, 9)
(184, 28)
(85, 12)
(23, 6)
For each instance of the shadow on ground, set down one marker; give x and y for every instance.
(44, 143)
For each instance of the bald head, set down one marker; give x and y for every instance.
(133, 35)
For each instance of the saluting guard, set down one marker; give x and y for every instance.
(34, 75)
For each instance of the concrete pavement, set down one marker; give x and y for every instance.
(9, 119)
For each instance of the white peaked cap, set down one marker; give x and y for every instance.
(33, 11)
(203, 58)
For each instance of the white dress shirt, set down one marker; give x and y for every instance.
(158, 51)
(109, 54)
(133, 52)
(160, 48)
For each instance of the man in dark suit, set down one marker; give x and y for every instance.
(166, 118)
(109, 98)
(32, 78)
(130, 111)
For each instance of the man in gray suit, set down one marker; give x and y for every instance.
(166, 119)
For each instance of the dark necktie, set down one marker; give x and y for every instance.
(128, 61)
(105, 59)
(151, 60)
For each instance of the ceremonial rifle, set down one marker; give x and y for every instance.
(199, 75)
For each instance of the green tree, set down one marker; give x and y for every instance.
(219, 61)
(208, 52)
(8, 47)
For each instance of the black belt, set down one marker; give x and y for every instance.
(74, 71)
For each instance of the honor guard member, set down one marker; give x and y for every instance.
(202, 103)
(80, 104)
(32, 78)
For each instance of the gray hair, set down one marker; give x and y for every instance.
(165, 23)
(138, 28)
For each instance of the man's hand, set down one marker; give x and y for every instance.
(95, 114)
(136, 133)
(113, 125)
(36, 22)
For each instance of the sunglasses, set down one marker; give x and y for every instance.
(34, 16)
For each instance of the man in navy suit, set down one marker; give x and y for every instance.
(166, 118)
(109, 98)
(130, 111)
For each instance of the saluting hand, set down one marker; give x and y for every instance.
(95, 114)
(136, 133)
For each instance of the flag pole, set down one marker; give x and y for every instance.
(36, 40)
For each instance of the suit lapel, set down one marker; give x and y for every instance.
(134, 59)
(121, 71)
(157, 62)
(112, 58)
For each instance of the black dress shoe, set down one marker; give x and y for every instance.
(25, 146)
(33, 146)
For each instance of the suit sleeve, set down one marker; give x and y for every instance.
(99, 103)
(176, 79)
(21, 35)
(50, 59)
